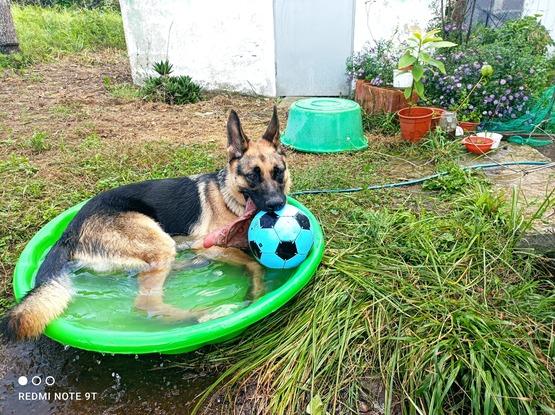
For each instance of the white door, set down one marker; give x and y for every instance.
(314, 38)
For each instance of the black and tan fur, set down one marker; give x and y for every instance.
(135, 227)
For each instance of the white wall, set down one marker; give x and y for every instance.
(221, 44)
(388, 19)
(544, 7)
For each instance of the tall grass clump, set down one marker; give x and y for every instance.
(439, 309)
(48, 33)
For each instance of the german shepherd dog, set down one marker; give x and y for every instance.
(133, 227)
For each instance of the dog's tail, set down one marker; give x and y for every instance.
(45, 302)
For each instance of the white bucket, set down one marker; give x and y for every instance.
(402, 79)
(496, 137)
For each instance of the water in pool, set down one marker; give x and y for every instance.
(107, 300)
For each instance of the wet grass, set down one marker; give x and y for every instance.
(435, 305)
(421, 292)
(49, 33)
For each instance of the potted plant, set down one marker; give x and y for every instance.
(373, 69)
(469, 120)
(420, 47)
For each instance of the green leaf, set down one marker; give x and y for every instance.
(316, 407)
(425, 57)
(444, 44)
(406, 93)
(432, 39)
(406, 60)
(417, 72)
(419, 88)
(438, 64)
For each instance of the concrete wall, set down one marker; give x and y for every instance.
(230, 44)
(221, 44)
(544, 7)
(388, 19)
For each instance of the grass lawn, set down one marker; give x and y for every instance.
(422, 303)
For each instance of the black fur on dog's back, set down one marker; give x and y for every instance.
(165, 201)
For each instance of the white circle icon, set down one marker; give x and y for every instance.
(22, 380)
(36, 380)
(49, 380)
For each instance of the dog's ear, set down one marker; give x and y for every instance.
(272, 132)
(237, 142)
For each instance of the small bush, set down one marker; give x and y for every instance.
(522, 68)
(375, 63)
(175, 90)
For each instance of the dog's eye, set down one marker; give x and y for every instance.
(253, 177)
(277, 174)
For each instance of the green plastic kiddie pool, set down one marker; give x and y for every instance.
(324, 125)
(102, 316)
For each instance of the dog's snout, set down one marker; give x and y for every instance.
(275, 203)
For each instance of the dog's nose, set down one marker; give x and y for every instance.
(275, 203)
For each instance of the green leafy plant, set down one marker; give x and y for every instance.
(176, 90)
(163, 68)
(38, 142)
(453, 180)
(418, 56)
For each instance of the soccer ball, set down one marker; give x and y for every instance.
(280, 239)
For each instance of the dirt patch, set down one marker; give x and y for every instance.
(68, 98)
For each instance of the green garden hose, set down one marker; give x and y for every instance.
(420, 180)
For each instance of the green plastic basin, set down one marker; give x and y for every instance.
(324, 125)
(125, 335)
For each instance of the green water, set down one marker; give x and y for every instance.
(106, 301)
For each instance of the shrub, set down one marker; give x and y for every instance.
(176, 90)
(518, 52)
(374, 63)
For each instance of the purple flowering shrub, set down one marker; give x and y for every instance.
(522, 69)
(375, 63)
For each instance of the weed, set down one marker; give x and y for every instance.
(39, 142)
(384, 124)
(125, 91)
(441, 146)
(67, 110)
(454, 179)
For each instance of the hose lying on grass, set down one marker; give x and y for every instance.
(412, 182)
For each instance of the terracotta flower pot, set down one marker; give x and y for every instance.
(377, 100)
(478, 145)
(415, 122)
(469, 126)
(438, 112)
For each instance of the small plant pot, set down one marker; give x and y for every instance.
(478, 145)
(378, 100)
(469, 126)
(438, 113)
(415, 122)
(402, 78)
(496, 137)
